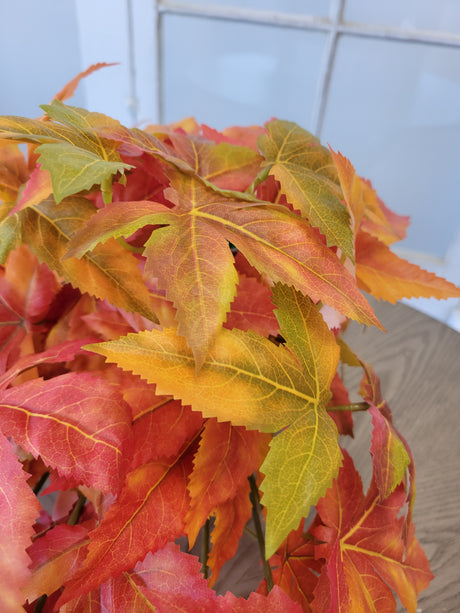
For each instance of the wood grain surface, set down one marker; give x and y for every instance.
(418, 362)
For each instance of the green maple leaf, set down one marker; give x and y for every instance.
(305, 171)
(72, 150)
(249, 381)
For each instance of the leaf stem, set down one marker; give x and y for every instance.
(77, 510)
(205, 549)
(354, 406)
(254, 498)
(40, 483)
(40, 603)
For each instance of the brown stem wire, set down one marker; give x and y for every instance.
(205, 549)
(254, 497)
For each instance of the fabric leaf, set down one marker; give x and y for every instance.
(226, 456)
(148, 513)
(294, 567)
(249, 381)
(365, 552)
(77, 423)
(109, 272)
(73, 170)
(302, 462)
(303, 168)
(55, 556)
(387, 276)
(18, 508)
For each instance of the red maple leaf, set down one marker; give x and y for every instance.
(367, 558)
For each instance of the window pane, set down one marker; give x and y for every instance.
(394, 111)
(301, 7)
(407, 14)
(227, 73)
(39, 56)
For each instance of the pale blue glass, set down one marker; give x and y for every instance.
(442, 15)
(394, 109)
(226, 73)
(39, 50)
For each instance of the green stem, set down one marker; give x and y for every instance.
(129, 247)
(40, 483)
(254, 498)
(77, 510)
(354, 406)
(205, 549)
(40, 603)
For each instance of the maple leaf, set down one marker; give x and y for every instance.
(304, 457)
(226, 456)
(69, 88)
(18, 508)
(77, 423)
(13, 171)
(72, 151)
(27, 289)
(367, 209)
(149, 512)
(276, 241)
(387, 276)
(228, 166)
(294, 567)
(230, 519)
(161, 425)
(249, 381)
(109, 271)
(171, 580)
(365, 552)
(37, 188)
(252, 308)
(62, 352)
(55, 556)
(391, 455)
(304, 170)
(9, 230)
(235, 135)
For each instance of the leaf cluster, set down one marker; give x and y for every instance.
(171, 307)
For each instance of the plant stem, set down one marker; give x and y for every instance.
(205, 550)
(77, 510)
(40, 483)
(354, 406)
(40, 603)
(254, 497)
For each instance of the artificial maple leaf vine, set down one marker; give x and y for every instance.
(171, 306)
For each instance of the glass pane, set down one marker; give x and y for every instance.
(407, 14)
(227, 73)
(301, 7)
(394, 111)
(39, 56)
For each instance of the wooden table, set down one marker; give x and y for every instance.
(418, 362)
